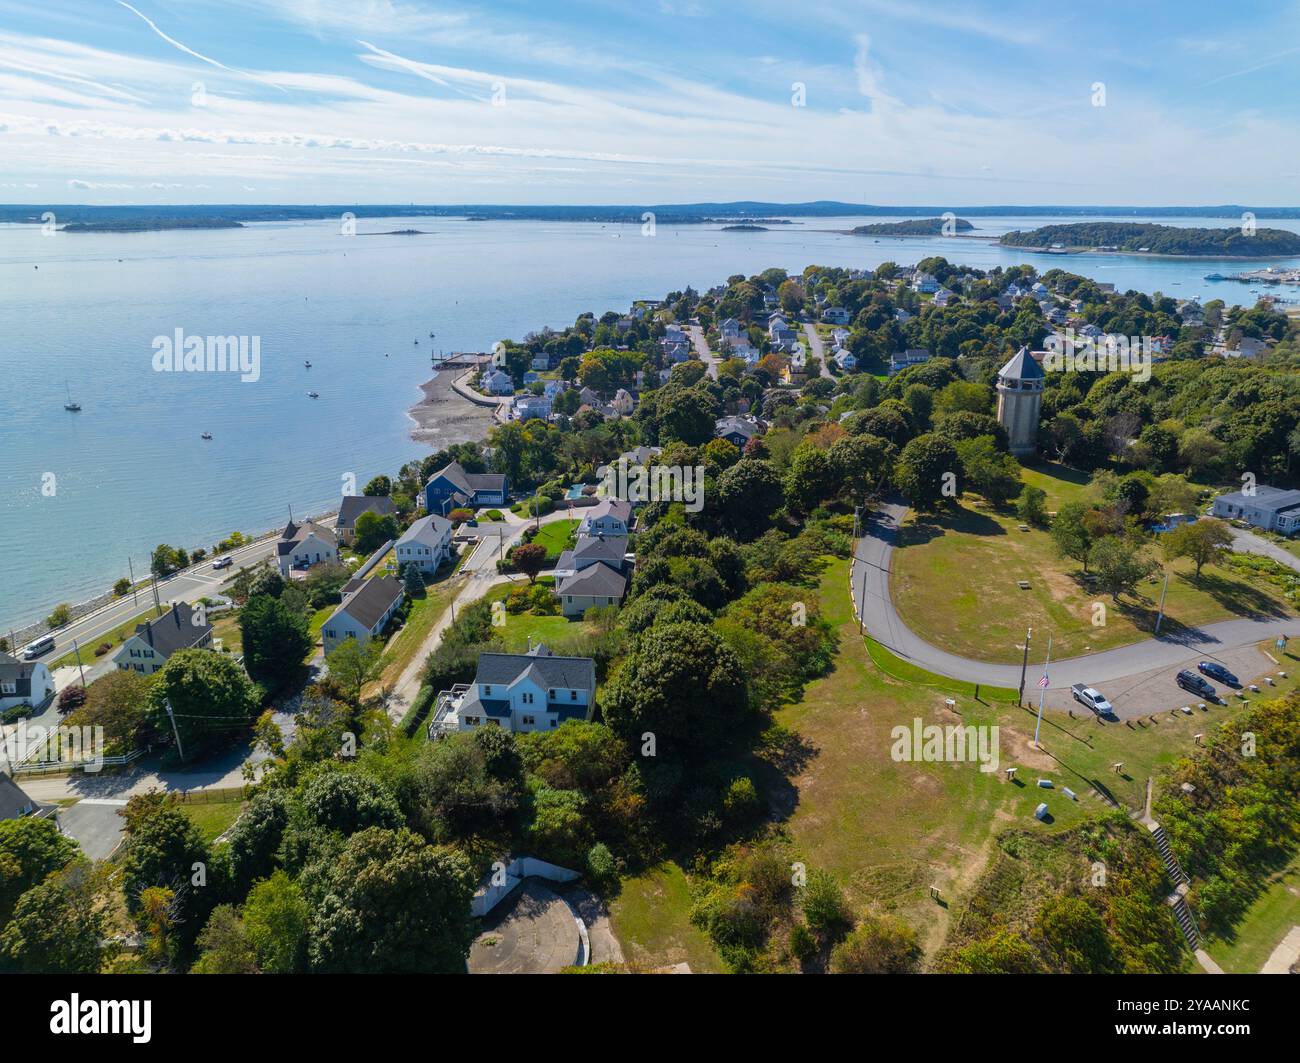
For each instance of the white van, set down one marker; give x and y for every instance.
(34, 649)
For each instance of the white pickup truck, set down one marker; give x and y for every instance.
(1093, 699)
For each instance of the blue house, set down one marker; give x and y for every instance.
(453, 488)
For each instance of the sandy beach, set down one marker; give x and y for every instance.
(442, 417)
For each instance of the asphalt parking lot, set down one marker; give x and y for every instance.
(1156, 690)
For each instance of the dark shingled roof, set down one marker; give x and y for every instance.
(598, 580)
(354, 505)
(469, 482)
(174, 630)
(295, 533)
(571, 673)
(371, 600)
(13, 802)
(19, 673)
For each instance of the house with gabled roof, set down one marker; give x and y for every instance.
(426, 544)
(14, 802)
(498, 382)
(180, 628)
(353, 506)
(23, 682)
(533, 691)
(609, 518)
(451, 487)
(594, 586)
(368, 605)
(737, 430)
(303, 544)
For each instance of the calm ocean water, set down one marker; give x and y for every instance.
(131, 470)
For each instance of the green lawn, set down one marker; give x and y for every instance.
(651, 919)
(1060, 484)
(214, 818)
(1266, 923)
(520, 627)
(889, 829)
(557, 537)
(955, 582)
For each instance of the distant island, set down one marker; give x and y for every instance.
(145, 225)
(915, 227)
(751, 212)
(744, 228)
(1131, 238)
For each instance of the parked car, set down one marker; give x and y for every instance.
(1093, 699)
(1195, 684)
(1216, 671)
(223, 562)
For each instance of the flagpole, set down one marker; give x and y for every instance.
(1043, 690)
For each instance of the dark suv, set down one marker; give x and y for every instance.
(1216, 671)
(1192, 682)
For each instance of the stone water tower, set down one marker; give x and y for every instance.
(1020, 396)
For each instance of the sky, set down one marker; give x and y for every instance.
(654, 101)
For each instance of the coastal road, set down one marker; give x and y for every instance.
(873, 556)
(707, 356)
(199, 581)
(818, 348)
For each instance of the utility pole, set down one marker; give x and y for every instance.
(1163, 591)
(80, 667)
(131, 569)
(1043, 690)
(1024, 664)
(153, 582)
(175, 733)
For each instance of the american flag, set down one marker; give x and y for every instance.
(1043, 682)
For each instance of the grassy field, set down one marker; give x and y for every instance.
(889, 829)
(651, 919)
(1266, 923)
(955, 582)
(425, 613)
(1060, 484)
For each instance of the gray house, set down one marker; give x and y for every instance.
(367, 607)
(533, 691)
(1270, 508)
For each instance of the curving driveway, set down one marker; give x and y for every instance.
(873, 555)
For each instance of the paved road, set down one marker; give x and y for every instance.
(818, 348)
(201, 581)
(707, 356)
(870, 582)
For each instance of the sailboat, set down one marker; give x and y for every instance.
(75, 407)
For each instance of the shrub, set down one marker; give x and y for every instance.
(103, 648)
(601, 865)
(803, 945)
(71, 697)
(881, 945)
(121, 587)
(823, 904)
(61, 615)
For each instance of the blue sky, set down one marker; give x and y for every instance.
(596, 101)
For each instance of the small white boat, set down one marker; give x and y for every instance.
(307, 364)
(72, 407)
(206, 435)
(313, 394)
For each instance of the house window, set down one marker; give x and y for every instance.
(528, 721)
(487, 691)
(526, 697)
(573, 695)
(9, 688)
